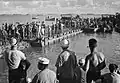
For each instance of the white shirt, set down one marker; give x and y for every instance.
(13, 58)
(45, 76)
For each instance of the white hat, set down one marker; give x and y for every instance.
(43, 60)
(13, 41)
(65, 43)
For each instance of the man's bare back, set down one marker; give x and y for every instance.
(94, 60)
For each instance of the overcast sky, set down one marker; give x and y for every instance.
(59, 6)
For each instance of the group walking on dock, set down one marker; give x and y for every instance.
(40, 31)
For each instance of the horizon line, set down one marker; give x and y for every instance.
(55, 13)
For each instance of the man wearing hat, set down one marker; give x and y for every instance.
(45, 75)
(13, 58)
(66, 64)
(94, 62)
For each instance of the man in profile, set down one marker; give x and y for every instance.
(66, 64)
(45, 75)
(94, 62)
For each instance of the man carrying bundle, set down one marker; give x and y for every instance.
(66, 64)
(94, 62)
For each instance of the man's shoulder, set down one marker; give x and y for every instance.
(66, 52)
(88, 56)
(52, 72)
(18, 51)
(106, 74)
(101, 56)
(48, 71)
(71, 52)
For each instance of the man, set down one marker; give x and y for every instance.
(39, 31)
(80, 73)
(66, 64)
(94, 62)
(3, 36)
(113, 76)
(45, 75)
(13, 58)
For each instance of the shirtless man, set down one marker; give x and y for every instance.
(94, 62)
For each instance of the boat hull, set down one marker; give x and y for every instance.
(34, 42)
(88, 30)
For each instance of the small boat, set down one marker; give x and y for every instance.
(34, 42)
(88, 30)
(50, 18)
(35, 18)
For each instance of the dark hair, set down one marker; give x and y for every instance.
(92, 42)
(112, 67)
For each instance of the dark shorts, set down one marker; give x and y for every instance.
(61, 80)
(92, 76)
(16, 76)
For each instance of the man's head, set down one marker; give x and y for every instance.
(13, 41)
(65, 44)
(92, 44)
(113, 68)
(43, 63)
(81, 62)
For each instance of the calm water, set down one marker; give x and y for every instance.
(23, 18)
(109, 44)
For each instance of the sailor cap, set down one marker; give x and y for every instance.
(43, 60)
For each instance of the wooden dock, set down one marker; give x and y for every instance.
(53, 40)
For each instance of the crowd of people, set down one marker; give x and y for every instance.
(98, 24)
(68, 69)
(29, 30)
(41, 30)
